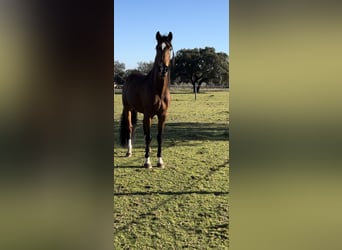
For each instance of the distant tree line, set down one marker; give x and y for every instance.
(195, 66)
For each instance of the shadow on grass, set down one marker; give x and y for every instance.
(121, 156)
(172, 194)
(180, 132)
(130, 167)
(197, 131)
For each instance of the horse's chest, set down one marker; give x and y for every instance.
(160, 103)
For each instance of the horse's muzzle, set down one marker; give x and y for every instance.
(163, 70)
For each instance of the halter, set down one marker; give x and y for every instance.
(163, 43)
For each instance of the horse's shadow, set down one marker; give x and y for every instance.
(179, 133)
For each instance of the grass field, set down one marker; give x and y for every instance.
(185, 205)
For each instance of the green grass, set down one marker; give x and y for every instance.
(185, 205)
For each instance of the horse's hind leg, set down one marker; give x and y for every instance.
(148, 138)
(130, 131)
(161, 124)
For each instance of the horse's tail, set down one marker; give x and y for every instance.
(124, 129)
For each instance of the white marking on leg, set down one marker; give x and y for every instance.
(160, 161)
(130, 146)
(148, 161)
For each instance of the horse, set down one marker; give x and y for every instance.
(150, 95)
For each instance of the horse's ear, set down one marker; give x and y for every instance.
(169, 37)
(158, 36)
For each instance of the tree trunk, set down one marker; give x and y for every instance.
(199, 85)
(194, 87)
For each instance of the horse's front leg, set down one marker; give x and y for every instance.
(147, 131)
(161, 124)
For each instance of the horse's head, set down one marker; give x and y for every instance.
(164, 53)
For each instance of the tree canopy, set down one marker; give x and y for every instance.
(145, 67)
(119, 72)
(197, 66)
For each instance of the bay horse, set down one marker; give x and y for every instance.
(148, 94)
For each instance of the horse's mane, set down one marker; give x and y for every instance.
(150, 73)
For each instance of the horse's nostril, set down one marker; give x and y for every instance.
(163, 70)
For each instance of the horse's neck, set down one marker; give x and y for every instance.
(161, 85)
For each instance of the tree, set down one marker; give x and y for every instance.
(197, 66)
(222, 67)
(119, 72)
(145, 67)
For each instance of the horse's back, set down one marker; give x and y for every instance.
(132, 90)
(133, 80)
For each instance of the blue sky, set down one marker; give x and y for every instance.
(194, 24)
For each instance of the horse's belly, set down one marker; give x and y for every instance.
(133, 100)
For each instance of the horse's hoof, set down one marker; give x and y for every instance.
(160, 165)
(128, 154)
(148, 165)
